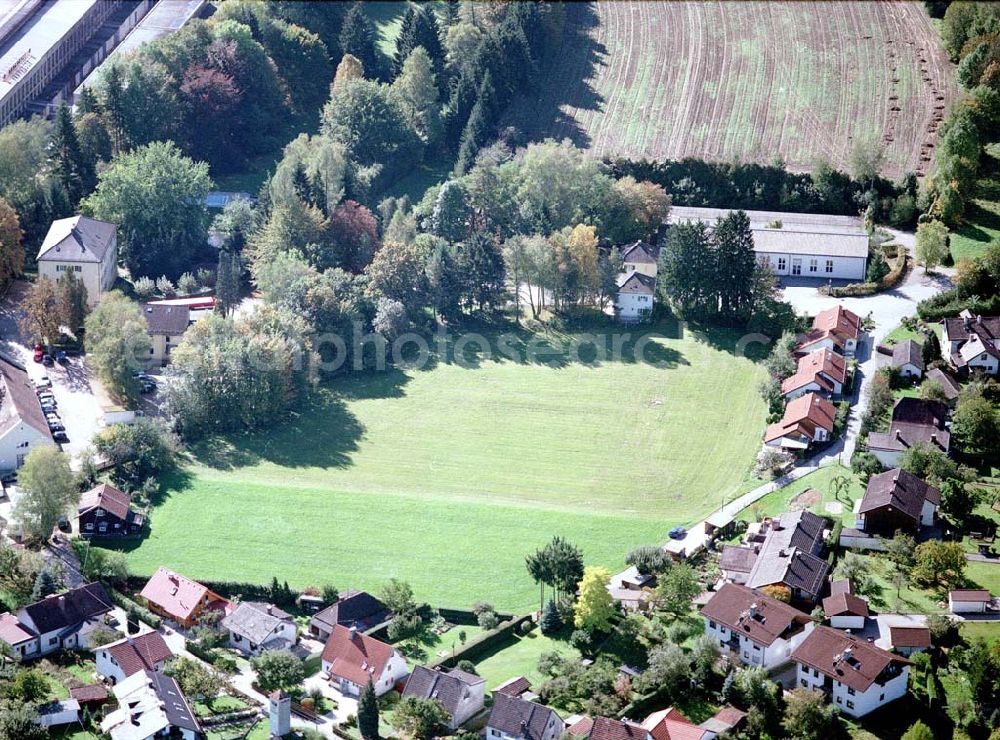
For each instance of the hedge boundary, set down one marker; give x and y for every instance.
(483, 643)
(893, 278)
(129, 605)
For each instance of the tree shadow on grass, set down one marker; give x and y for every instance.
(566, 72)
(323, 434)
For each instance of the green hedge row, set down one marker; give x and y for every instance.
(949, 303)
(135, 608)
(486, 643)
(891, 280)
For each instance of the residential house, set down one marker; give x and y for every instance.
(909, 640)
(671, 724)
(255, 626)
(150, 705)
(605, 728)
(809, 245)
(969, 600)
(908, 359)
(789, 556)
(823, 371)
(104, 511)
(845, 610)
(914, 421)
(512, 718)
(58, 713)
(972, 342)
(634, 300)
(807, 420)
(179, 599)
(165, 324)
(351, 659)
(858, 676)
(57, 622)
(84, 246)
(835, 328)
(759, 630)
(22, 423)
(117, 661)
(897, 500)
(948, 384)
(640, 257)
(461, 694)
(353, 609)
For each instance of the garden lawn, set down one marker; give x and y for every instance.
(427, 648)
(520, 658)
(447, 477)
(981, 225)
(984, 575)
(791, 497)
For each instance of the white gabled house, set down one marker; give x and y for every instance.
(461, 694)
(857, 676)
(117, 661)
(971, 342)
(351, 659)
(22, 423)
(758, 630)
(808, 420)
(57, 622)
(823, 371)
(634, 301)
(640, 257)
(255, 626)
(84, 246)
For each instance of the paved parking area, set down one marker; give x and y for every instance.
(77, 400)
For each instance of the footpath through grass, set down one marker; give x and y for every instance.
(446, 477)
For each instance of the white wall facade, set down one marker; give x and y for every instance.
(469, 706)
(966, 607)
(633, 306)
(814, 266)
(985, 362)
(98, 278)
(553, 730)
(909, 370)
(755, 654)
(849, 701)
(813, 387)
(17, 443)
(847, 622)
(646, 268)
(284, 631)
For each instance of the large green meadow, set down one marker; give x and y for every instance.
(447, 476)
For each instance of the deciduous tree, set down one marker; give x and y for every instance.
(939, 564)
(118, 344)
(277, 669)
(11, 251)
(39, 320)
(594, 606)
(48, 490)
(419, 718)
(931, 244)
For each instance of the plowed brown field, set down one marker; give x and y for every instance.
(754, 81)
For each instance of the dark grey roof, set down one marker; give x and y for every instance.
(899, 489)
(519, 718)
(903, 436)
(255, 620)
(77, 239)
(640, 253)
(175, 705)
(739, 559)
(908, 352)
(168, 320)
(637, 282)
(448, 688)
(961, 328)
(911, 410)
(801, 529)
(353, 609)
(791, 567)
(59, 611)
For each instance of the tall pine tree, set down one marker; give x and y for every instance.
(368, 713)
(68, 161)
(480, 125)
(405, 40)
(734, 267)
(227, 281)
(358, 38)
(445, 283)
(483, 272)
(685, 279)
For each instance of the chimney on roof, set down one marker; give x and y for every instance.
(269, 609)
(899, 435)
(352, 631)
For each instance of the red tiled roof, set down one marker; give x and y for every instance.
(107, 497)
(612, 729)
(969, 594)
(580, 728)
(844, 604)
(855, 663)
(816, 367)
(142, 653)
(760, 618)
(514, 686)
(94, 692)
(840, 320)
(356, 656)
(730, 716)
(670, 724)
(173, 593)
(805, 415)
(12, 631)
(910, 637)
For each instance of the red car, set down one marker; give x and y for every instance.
(38, 353)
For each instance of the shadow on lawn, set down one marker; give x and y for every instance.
(568, 69)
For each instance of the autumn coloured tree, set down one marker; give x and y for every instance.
(594, 606)
(11, 251)
(355, 233)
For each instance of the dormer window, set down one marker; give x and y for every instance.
(98, 512)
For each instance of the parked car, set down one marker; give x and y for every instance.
(59, 435)
(38, 353)
(42, 383)
(678, 533)
(55, 428)
(61, 357)
(46, 396)
(47, 360)
(141, 376)
(147, 387)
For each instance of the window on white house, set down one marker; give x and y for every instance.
(711, 624)
(839, 700)
(781, 263)
(813, 265)
(850, 704)
(77, 268)
(829, 265)
(851, 691)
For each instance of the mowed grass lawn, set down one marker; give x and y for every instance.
(446, 477)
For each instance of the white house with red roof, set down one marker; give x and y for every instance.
(351, 659)
(836, 329)
(116, 661)
(671, 724)
(22, 423)
(823, 371)
(807, 420)
(179, 599)
(857, 676)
